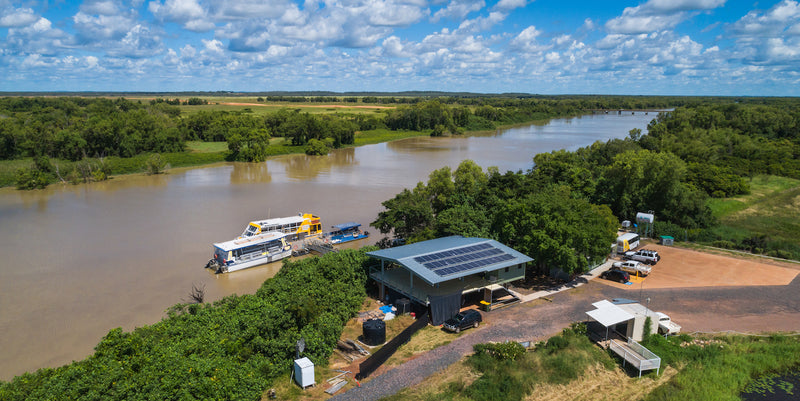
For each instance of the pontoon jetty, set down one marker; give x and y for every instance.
(254, 250)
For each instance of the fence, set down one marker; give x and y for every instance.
(633, 352)
(382, 355)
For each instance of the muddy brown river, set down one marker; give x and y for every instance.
(77, 261)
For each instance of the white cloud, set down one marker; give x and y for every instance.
(526, 41)
(17, 17)
(773, 22)
(683, 5)
(189, 13)
(656, 15)
(138, 42)
(508, 5)
(769, 37)
(633, 21)
(101, 27)
(458, 9)
(102, 7)
(482, 24)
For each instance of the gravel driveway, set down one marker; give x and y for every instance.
(743, 309)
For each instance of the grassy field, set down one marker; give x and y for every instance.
(771, 211)
(252, 105)
(712, 368)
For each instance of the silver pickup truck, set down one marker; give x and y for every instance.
(643, 255)
(633, 267)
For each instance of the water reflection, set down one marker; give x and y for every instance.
(429, 144)
(305, 167)
(247, 173)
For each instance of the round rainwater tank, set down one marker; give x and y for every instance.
(374, 332)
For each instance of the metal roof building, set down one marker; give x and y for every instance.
(438, 272)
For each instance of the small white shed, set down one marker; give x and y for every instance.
(304, 372)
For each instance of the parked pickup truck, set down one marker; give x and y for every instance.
(643, 255)
(633, 267)
(666, 325)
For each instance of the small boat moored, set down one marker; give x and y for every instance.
(255, 250)
(346, 232)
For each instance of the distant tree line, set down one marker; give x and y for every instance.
(567, 208)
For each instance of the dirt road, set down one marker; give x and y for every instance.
(730, 295)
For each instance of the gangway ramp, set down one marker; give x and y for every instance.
(637, 355)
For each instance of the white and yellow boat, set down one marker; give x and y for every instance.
(296, 228)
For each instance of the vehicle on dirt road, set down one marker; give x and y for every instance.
(648, 256)
(616, 275)
(666, 325)
(463, 320)
(633, 267)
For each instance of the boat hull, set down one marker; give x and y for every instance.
(340, 239)
(273, 257)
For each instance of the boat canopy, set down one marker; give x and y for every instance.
(247, 241)
(346, 226)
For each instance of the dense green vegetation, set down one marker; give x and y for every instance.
(727, 148)
(713, 369)
(229, 350)
(691, 155)
(721, 368)
(543, 221)
(90, 130)
(507, 372)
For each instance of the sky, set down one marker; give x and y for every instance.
(653, 47)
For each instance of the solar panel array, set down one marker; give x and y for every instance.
(462, 259)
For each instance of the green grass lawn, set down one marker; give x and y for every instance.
(771, 210)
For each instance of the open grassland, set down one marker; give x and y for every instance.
(384, 135)
(771, 213)
(251, 104)
(762, 189)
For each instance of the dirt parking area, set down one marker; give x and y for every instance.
(685, 268)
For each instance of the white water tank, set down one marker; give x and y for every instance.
(645, 217)
(304, 372)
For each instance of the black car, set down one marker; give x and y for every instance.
(616, 275)
(463, 320)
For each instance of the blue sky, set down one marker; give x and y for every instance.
(653, 47)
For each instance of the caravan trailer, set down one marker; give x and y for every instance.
(627, 242)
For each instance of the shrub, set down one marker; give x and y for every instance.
(724, 244)
(508, 350)
(316, 147)
(155, 164)
(31, 178)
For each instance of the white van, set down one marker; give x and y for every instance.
(627, 242)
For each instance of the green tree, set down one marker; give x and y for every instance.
(155, 164)
(409, 215)
(556, 230)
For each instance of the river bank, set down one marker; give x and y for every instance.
(209, 153)
(89, 258)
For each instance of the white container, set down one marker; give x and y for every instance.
(304, 372)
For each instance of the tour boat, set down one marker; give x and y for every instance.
(346, 232)
(254, 250)
(298, 227)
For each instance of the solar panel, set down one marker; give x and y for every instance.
(462, 259)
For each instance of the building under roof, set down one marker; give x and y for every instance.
(625, 317)
(438, 272)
